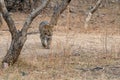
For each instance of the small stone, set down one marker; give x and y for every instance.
(23, 73)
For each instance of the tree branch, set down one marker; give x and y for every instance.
(91, 12)
(32, 16)
(96, 6)
(57, 11)
(8, 18)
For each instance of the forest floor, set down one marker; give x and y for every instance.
(75, 54)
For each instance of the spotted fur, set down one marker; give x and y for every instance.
(45, 34)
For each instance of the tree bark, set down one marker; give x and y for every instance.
(91, 12)
(31, 5)
(18, 37)
(0, 20)
(57, 11)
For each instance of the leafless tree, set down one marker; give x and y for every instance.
(18, 37)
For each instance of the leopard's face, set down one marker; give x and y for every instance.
(47, 30)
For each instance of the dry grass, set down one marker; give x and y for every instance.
(60, 67)
(62, 62)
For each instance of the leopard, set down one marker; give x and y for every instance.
(46, 34)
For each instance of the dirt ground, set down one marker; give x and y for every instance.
(75, 54)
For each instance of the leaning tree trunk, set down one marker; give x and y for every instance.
(15, 48)
(91, 12)
(57, 11)
(18, 37)
(0, 20)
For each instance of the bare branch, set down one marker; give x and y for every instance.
(96, 6)
(32, 16)
(8, 18)
(58, 10)
(91, 12)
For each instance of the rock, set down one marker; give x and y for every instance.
(23, 73)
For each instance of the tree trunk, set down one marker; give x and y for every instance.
(91, 12)
(57, 11)
(0, 20)
(15, 48)
(18, 37)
